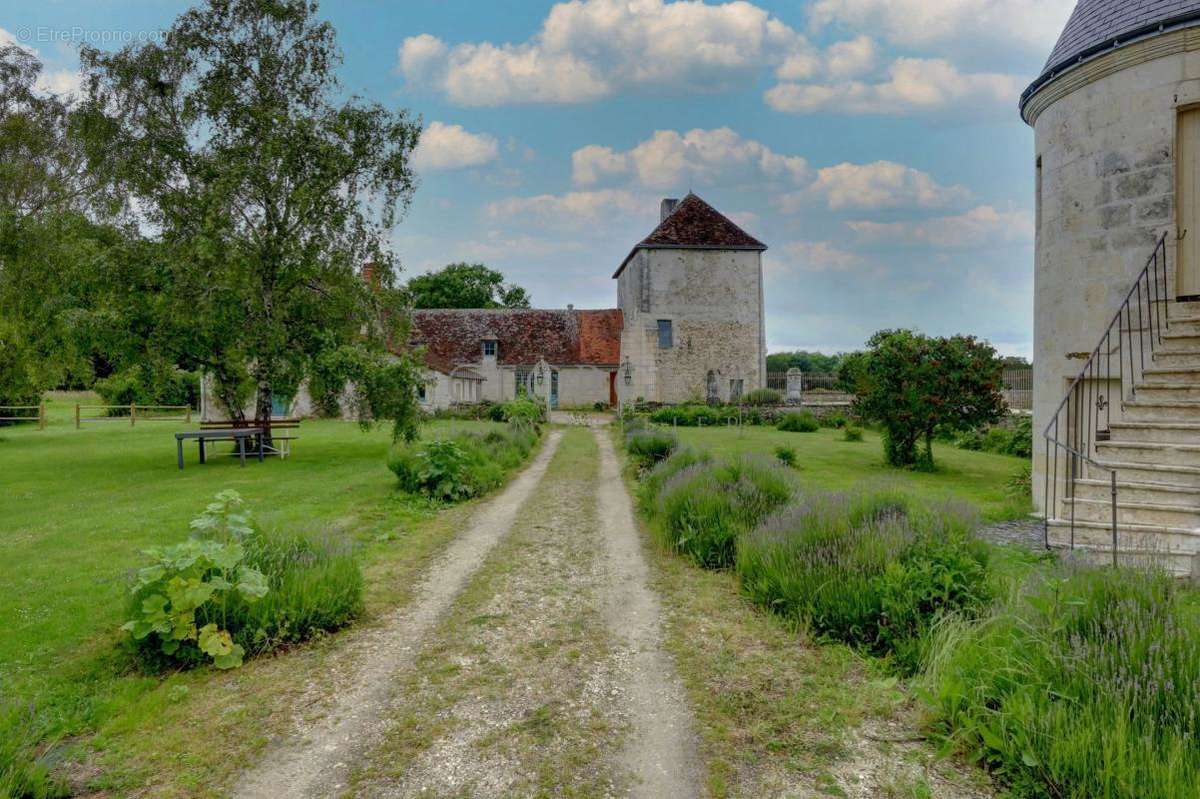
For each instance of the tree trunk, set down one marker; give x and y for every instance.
(262, 413)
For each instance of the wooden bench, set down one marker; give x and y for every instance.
(289, 425)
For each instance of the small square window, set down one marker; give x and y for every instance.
(665, 337)
(489, 348)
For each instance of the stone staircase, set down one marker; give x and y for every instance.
(1154, 447)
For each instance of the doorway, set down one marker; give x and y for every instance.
(1187, 202)
(612, 389)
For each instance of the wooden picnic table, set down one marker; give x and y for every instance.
(238, 434)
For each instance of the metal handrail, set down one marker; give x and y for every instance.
(1078, 417)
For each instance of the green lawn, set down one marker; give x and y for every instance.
(829, 462)
(76, 506)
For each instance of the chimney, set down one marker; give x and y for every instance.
(570, 306)
(667, 208)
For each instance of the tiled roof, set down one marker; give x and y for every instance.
(446, 367)
(562, 337)
(1095, 24)
(694, 224)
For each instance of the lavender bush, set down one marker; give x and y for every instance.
(705, 507)
(868, 568)
(1085, 683)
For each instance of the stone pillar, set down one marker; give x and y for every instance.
(795, 384)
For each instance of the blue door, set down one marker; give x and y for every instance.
(553, 389)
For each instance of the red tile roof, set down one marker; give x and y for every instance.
(563, 338)
(694, 224)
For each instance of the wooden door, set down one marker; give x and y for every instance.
(1187, 200)
(612, 389)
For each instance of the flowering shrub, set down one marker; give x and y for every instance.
(1081, 683)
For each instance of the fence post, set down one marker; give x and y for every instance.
(189, 414)
(41, 416)
(77, 416)
(132, 413)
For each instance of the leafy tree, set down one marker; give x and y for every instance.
(268, 189)
(1014, 362)
(465, 285)
(912, 383)
(52, 203)
(851, 372)
(804, 361)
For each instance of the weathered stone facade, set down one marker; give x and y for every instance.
(1105, 168)
(713, 300)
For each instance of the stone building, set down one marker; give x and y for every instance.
(1116, 118)
(689, 325)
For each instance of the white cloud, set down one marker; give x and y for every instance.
(1029, 25)
(50, 81)
(983, 226)
(573, 210)
(850, 58)
(670, 160)
(912, 85)
(882, 184)
(593, 163)
(819, 256)
(588, 49)
(443, 146)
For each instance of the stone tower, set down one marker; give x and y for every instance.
(691, 296)
(1116, 119)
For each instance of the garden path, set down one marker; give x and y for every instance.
(531, 661)
(316, 760)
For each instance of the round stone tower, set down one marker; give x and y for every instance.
(1116, 118)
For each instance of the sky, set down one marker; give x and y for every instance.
(874, 145)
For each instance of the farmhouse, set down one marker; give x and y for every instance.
(688, 324)
(1116, 117)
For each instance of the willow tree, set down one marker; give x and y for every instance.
(269, 189)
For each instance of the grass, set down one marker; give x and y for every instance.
(76, 506)
(827, 461)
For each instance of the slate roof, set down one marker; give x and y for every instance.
(1094, 25)
(562, 337)
(694, 224)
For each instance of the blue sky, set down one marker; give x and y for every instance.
(874, 145)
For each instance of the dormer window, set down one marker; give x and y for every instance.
(489, 348)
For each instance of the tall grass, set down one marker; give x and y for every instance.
(1081, 683)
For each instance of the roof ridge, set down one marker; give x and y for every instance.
(697, 225)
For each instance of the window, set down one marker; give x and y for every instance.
(735, 390)
(421, 392)
(489, 348)
(710, 387)
(664, 334)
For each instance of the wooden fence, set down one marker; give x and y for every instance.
(38, 415)
(134, 413)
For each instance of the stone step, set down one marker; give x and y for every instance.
(1158, 473)
(1160, 410)
(1131, 513)
(1171, 375)
(1100, 490)
(1161, 432)
(1168, 392)
(1149, 452)
(1149, 546)
(1177, 359)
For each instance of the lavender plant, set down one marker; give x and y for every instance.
(1085, 683)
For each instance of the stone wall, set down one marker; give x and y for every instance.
(713, 299)
(1105, 177)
